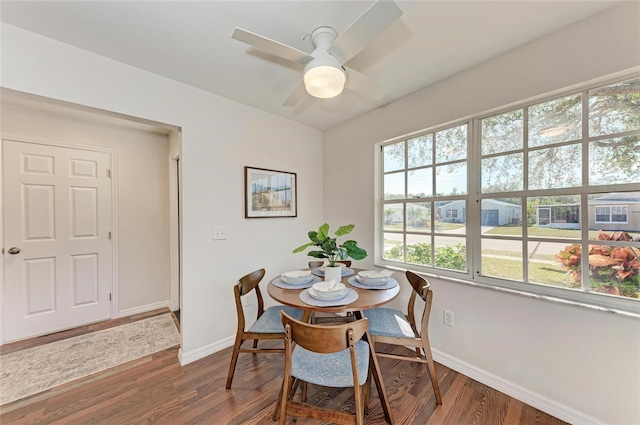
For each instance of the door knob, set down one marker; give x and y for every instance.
(14, 250)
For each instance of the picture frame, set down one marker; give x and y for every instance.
(269, 193)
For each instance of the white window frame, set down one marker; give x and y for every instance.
(473, 216)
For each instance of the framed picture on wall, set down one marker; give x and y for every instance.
(269, 193)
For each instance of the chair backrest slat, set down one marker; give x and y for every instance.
(324, 338)
(419, 284)
(250, 281)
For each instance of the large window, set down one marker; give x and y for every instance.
(530, 189)
(424, 199)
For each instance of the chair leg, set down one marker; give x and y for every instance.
(304, 391)
(255, 343)
(234, 360)
(276, 412)
(287, 386)
(294, 388)
(366, 388)
(358, 393)
(286, 396)
(432, 370)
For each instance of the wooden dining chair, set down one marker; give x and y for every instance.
(268, 324)
(313, 264)
(331, 356)
(391, 326)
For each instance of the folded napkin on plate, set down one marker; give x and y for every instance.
(329, 286)
(374, 274)
(297, 273)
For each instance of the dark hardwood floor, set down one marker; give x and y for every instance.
(157, 390)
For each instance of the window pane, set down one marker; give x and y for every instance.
(615, 108)
(451, 217)
(603, 214)
(393, 156)
(619, 214)
(614, 270)
(614, 216)
(502, 173)
(419, 151)
(555, 167)
(451, 144)
(393, 217)
(420, 183)
(419, 249)
(419, 217)
(554, 264)
(394, 186)
(451, 179)
(502, 133)
(614, 161)
(501, 217)
(554, 216)
(451, 253)
(393, 248)
(502, 258)
(559, 120)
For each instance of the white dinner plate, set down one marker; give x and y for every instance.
(297, 280)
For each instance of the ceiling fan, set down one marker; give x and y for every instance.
(324, 73)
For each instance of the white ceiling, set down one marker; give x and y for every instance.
(190, 41)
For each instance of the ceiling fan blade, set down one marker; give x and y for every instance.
(365, 29)
(296, 95)
(271, 46)
(363, 85)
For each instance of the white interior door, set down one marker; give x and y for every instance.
(57, 247)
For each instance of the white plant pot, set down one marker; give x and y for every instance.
(334, 273)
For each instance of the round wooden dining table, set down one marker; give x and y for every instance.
(367, 298)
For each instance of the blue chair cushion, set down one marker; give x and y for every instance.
(271, 322)
(388, 322)
(330, 370)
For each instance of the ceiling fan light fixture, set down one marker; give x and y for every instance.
(324, 81)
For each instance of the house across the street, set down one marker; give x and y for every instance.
(614, 211)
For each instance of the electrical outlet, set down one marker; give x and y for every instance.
(447, 318)
(246, 301)
(219, 233)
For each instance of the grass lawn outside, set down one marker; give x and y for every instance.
(544, 232)
(546, 274)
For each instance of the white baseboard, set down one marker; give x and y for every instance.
(192, 356)
(143, 309)
(538, 401)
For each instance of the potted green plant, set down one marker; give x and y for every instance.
(329, 248)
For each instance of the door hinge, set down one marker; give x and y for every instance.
(109, 235)
(109, 297)
(108, 172)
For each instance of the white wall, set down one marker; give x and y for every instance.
(580, 365)
(219, 137)
(143, 194)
